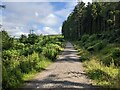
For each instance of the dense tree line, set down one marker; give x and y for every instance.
(94, 30)
(92, 18)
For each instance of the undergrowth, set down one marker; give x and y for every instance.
(25, 56)
(101, 59)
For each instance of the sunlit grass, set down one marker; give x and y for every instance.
(97, 71)
(42, 64)
(100, 74)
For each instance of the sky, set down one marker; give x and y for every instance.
(43, 17)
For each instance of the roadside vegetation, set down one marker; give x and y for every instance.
(94, 30)
(22, 57)
(101, 58)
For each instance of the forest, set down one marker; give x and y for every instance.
(94, 29)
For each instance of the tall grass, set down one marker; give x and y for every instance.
(101, 59)
(101, 74)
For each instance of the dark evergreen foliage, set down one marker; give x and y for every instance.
(91, 19)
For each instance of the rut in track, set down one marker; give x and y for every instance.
(66, 72)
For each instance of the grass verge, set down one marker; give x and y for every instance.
(99, 73)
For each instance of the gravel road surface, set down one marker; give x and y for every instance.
(66, 72)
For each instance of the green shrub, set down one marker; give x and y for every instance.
(54, 46)
(11, 74)
(58, 43)
(43, 63)
(18, 67)
(84, 38)
(117, 40)
(38, 49)
(22, 59)
(107, 60)
(88, 44)
(116, 56)
(83, 58)
(27, 51)
(51, 50)
(116, 53)
(101, 74)
(97, 74)
(97, 47)
(50, 53)
(24, 66)
(29, 63)
(18, 45)
(84, 55)
(116, 82)
(8, 54)
(92, 38)
(90, 49)
(7, 41)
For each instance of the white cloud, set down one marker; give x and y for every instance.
(17, 34)
(38, 0)
(20, 17)
(86, 1)
(36, 14)
(60, 28)
(34, 27)
(16, 31)
(23, 13)
(50, 20)
(38, 32)
(48, 30)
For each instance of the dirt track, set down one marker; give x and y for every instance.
(66, 72)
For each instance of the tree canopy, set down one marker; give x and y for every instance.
(93, 18)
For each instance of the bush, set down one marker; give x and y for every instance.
(7, 41)
(100, 45)
(84, 38)
(18, 45)
(51, 50)
(116, 53)
(97, 74)
(101, 74)
(90, 49)
(92, 38)
(26, 56)
(97, 47)
(116, 82)
(11, 74)
(83, 58)
(29, 63)
(107, 60)
(38, 49)
(27, 51)
(50, 53)
(116, 56)
(8, 54)
(88, 44)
